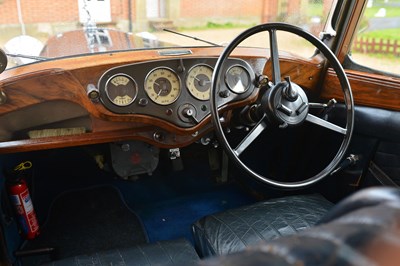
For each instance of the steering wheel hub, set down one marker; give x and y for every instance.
(285, 104)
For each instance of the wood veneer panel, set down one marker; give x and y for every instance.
(368, 89)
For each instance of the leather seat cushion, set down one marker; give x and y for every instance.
(171, 252)
(233, 230)
(363, 229)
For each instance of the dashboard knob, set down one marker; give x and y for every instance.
(224, 94)
(143, 102)
(187, 113)
(158, 136)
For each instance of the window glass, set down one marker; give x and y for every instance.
(30, 32)
(377, 42)
(222, 24)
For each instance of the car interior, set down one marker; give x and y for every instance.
(203, 155)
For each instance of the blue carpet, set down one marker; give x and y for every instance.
(167, 202)
(173, 218)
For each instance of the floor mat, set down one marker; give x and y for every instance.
(86, 221)
(173, 218)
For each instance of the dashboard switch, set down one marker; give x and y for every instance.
(92, 92)
(143, 102)
(169, 111)
(187, 113)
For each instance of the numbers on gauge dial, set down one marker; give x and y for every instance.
(121, 90)
(162, 86)
(198, 81)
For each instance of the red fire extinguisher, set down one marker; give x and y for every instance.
(22, 202)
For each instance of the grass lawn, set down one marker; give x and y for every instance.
(387, 34)
(392, 8)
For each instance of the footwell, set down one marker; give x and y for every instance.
(86, 221)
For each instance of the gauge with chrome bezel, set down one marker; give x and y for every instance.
(162, 86)
(238, 79)
(121, 89)
(198, 81)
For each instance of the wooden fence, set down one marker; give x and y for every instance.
(372, 45)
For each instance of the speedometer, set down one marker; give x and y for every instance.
(162, 85)
(121, 90)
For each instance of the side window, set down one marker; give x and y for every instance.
(377, 42)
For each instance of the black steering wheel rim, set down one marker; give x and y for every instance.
(334, 63)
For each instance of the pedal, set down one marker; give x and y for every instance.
(175, 157)
(219, 172)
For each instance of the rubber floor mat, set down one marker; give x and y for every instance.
(86, 221)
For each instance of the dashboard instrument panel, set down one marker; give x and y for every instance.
(162, 86)
(175, 90)
(198, 81)
(121, 90)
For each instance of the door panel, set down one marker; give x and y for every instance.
(376, 142)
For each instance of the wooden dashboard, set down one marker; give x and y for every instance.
(52, 96)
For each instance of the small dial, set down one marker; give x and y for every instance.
(121, 90)
(238, 79)
(198, 81)
(162, 86)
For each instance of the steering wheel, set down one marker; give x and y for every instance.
(285, 103)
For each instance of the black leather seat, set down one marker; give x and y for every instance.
(363, 229)
(233, 230)
(171, 252)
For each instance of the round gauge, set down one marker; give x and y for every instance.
(121, 90)
(198, 81)
(162, 86)
(238, 79)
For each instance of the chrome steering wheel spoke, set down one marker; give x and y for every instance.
(276, 70)
(253, 134)
(326, 124)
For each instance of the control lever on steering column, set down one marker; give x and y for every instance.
(329, 106)
(349, 161)
(326, 107)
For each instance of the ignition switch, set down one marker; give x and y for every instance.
(187, 113)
